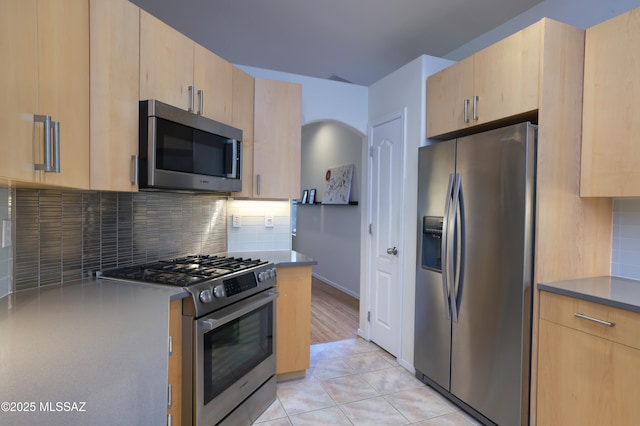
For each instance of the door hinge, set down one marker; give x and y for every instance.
(170, 345)
(169, 397)
(371, 229)
(368, 316)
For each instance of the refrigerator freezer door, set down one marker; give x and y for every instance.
(432, 322)
(490, 340)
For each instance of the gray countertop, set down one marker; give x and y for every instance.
(613, 291)
(101, 344)
(97, 343)
(278, 257)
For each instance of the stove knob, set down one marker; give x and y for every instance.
(275, 272)
(261, 277)
(205, 296)
(218, 291)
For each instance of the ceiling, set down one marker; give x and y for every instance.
(359, 41)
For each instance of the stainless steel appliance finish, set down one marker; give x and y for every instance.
(181, 150)
(228, 333)
(474, 271)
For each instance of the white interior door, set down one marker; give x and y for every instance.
(386, 141)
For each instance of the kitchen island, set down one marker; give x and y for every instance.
(94, 351)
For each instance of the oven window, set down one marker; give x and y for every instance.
(234, 349)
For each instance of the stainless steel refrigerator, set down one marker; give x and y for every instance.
(474, 271)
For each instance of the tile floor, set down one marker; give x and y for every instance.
(354, 382)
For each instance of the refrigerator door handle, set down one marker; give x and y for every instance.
(450, 246)
(443, 247)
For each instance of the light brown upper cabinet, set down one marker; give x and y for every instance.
(277, 139)
(242, 118)
(115, 29)
(45, 72)
(610, 164)
(177, 71)
(497, 82)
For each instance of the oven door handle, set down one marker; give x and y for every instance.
(233, 312)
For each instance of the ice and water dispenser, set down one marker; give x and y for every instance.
(432, 243)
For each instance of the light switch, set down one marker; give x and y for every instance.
(268, 221)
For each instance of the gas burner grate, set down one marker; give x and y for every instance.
(184, 271)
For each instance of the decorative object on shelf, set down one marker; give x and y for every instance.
(312, 196)
(338, 185)
(305, 196)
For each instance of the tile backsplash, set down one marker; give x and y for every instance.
(625, 253)
(253, 234)
(63, 236)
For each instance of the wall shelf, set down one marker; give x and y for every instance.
(351, 203)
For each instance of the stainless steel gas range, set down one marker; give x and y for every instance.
(228, 333)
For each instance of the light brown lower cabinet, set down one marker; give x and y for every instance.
(293, 321)
(175, 363)
(588, 373)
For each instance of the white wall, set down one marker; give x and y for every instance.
(331, 234)
(405, 88)
(324, 99)
(580, 13)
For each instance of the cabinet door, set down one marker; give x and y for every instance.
(505, 76)
(214, 77)
(63, 51)
(242, 118)
(293, 319)
(277, 138)
(575, 382)
(447, 91)
(19, 88)
(610, 122)
(166, 63)
(115, 29)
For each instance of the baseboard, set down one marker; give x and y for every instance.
(335, 285)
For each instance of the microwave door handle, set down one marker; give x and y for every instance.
(235, 147)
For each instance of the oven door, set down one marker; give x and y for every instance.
(235, 355)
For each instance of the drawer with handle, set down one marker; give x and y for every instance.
(618, 325)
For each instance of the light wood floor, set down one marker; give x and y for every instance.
(334, 314)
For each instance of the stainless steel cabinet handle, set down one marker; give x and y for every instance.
(46, 120)
(51, 150)
(466, 110)
(599, 321)
(56, 147)
(258, 182)
(475, 108)
(393, 251)
(200, 101)
(191, 99)
(134, 169)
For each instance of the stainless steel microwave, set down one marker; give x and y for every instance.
(180, 150)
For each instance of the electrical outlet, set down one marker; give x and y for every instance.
(268, 221)
(236, 221)
(6, 233)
